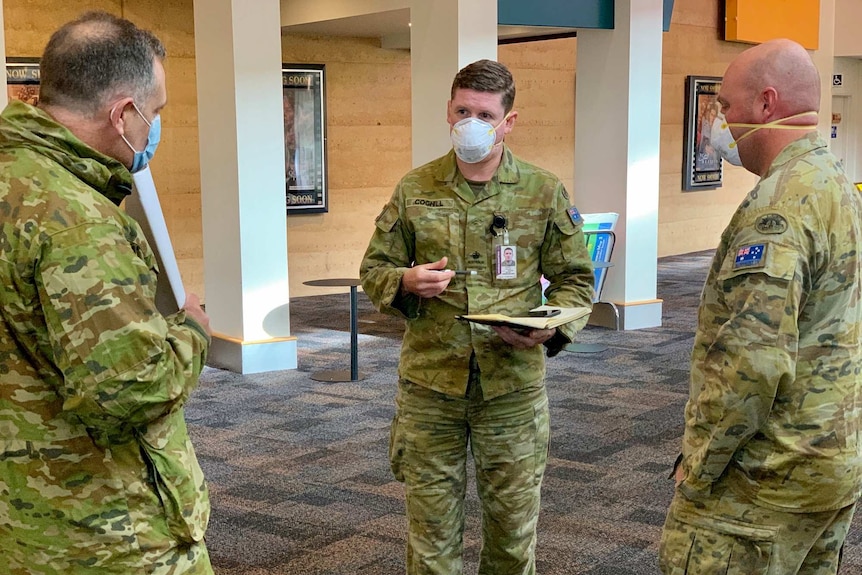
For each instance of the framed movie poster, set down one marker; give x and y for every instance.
(304, 138)
(22, 79)
(701, 168)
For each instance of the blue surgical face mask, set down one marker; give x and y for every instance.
(143, 158)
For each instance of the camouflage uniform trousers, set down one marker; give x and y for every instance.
(508, 437)
(728, 534)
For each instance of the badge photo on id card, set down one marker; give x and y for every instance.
(507, 262)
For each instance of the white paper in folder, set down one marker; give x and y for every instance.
(143, 205)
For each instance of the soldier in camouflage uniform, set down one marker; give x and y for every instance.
(771, 465)
(97, 473)
(462, 383)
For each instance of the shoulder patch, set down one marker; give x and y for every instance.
(575, 216)
(750, 256)
(771, 224)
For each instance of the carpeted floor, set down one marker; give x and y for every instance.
(298, 469)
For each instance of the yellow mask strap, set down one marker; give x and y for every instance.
(774, 125)
(503, 121)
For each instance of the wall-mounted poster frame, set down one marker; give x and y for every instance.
(702, 164)
(22, 79)
(305, 175)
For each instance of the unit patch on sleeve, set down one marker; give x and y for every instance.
(575, 216)
(751, 256)
(771, 224)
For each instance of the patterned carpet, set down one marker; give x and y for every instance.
(298, 469)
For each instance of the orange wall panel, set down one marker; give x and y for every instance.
(756, 21)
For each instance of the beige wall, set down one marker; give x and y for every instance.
(848, 15)
(368, 107)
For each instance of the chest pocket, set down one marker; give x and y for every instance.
(437, 231)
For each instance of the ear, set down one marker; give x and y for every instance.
(510, 122)
(768, 102)
(117, 112)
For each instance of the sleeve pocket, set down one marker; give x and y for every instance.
(567, 229)
(387, 219)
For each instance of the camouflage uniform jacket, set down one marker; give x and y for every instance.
(776, 379)
(434, 212)
(93, 442)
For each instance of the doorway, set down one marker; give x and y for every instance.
(843, 134)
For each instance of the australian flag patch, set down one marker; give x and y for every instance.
(575, 216)
(751, 256)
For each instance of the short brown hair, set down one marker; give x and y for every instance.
(487, 76)
(95, 58)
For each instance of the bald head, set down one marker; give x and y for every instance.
(784, 66)
(764, 96)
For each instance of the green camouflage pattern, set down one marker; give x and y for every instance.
(775, 405)
(97, 472)
(729, 535)
(509, 438)
(459, 381)
(434, 213)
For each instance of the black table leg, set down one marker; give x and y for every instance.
(353, 374)
(354, 341)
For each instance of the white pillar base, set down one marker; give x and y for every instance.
(624, 316)
(640, 314)
(247, 357)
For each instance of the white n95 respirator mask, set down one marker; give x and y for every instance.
(473, 139)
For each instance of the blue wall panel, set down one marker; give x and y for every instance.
(668, 12)
(564, 13)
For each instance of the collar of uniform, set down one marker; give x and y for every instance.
(507, 171)
(805, 144)
(30, 127)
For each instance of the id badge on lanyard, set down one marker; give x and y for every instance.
(505, 254)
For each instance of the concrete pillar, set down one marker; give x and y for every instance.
(238, 59)
(445, 36)
(617, 122)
